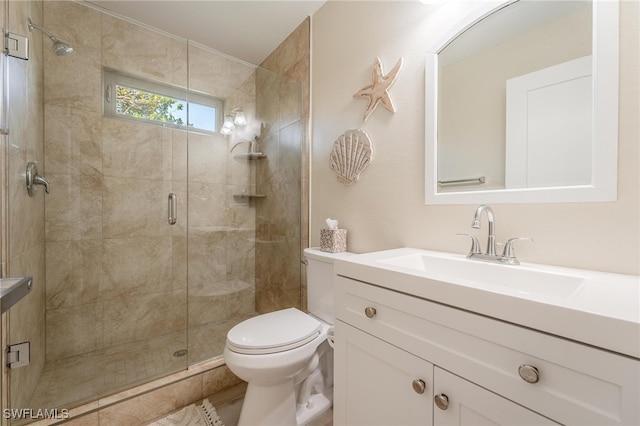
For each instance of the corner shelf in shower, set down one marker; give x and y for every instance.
(250, 156)
(246, 197)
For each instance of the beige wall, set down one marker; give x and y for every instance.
(385, 209)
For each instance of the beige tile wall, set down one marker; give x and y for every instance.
(112, 273)
(24, 247)
(116, 271)
(3, 203)
(221, 227)
(282, 217)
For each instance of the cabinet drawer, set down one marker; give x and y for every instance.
(577, 384)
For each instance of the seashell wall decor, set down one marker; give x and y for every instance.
(352, 152)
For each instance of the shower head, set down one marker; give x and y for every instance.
(59, 47)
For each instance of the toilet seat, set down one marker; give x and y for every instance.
(273, 332)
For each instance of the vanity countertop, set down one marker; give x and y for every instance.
(597, 308)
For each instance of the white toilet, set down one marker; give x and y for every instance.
(285, 356)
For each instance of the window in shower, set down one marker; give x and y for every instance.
(138, 99)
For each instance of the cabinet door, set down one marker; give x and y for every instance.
(578, 384)
(470, 404)
(375, 381)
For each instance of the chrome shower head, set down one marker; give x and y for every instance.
(59, 47)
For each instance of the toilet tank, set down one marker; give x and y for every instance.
(320, 282)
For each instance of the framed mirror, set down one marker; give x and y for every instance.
(522, 105)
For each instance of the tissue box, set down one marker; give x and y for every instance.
(333, 240)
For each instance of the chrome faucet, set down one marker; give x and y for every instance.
(507, 257)
(491, 238)
(33, 179)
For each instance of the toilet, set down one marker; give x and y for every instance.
(286, 356)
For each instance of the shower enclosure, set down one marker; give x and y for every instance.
(156, 237)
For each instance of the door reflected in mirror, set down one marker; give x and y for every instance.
(513, 106)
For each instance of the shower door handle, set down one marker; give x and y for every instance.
(172, 210)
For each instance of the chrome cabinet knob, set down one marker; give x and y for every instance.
(370, 312)
(442, 401)
(529, 373)
(419, 386)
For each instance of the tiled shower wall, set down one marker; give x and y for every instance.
(282, 217)
(116, 271)
(221, 224)
(110, 252)
(23, 231)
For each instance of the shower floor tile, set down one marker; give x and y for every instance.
(73, 381)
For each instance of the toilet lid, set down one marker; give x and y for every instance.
(273, 332)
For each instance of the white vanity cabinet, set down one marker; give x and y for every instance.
(488, 369)
(379, 383)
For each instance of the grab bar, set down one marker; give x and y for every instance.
(172, 208)
(474, 181)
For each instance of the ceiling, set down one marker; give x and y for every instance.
(246, 29)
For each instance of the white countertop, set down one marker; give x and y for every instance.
(604, 311)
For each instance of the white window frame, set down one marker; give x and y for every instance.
(111, 79)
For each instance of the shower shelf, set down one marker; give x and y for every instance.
(247, 197)
(12, 290)
(250, 156)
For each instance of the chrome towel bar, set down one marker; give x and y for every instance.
(469, 181)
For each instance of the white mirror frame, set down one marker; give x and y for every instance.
(605, 121)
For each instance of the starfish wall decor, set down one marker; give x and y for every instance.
(378, 91)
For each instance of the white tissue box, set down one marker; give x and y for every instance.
(333, 240)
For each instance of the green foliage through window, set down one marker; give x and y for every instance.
(150, 106)
(156, 103)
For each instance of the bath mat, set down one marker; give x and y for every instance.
(192, 415)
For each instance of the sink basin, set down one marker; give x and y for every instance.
(576, 304)
(515, 279)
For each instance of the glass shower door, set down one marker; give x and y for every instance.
(244, 195)
(121, 294)
(108, 309)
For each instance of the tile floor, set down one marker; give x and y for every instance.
(228, 404)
